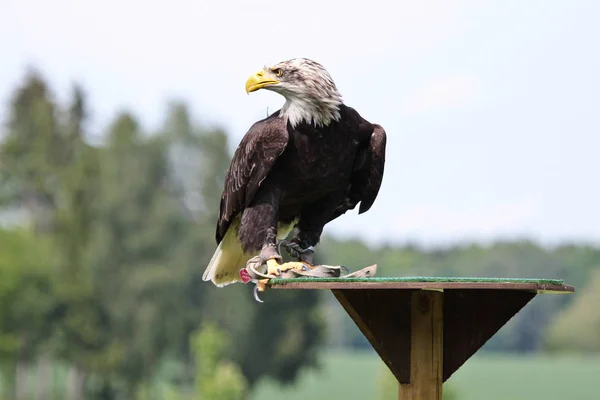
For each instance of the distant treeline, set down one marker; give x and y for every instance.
(104, 245)
(548, 323)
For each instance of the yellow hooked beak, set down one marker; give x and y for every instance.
(259, 81)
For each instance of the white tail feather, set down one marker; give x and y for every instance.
(228, 259)
(225, 264)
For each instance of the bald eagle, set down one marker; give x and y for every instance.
(294, 171)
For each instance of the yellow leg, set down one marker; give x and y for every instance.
(273, 267)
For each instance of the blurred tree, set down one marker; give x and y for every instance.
(81, 336)
(33, 155)
(216, 379)
(136, 229)
(195, 158)
(577, 327)
(27, 301)
(33, 151)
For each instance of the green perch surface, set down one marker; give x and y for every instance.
(283, 281)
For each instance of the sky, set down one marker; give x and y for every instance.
(492, 108)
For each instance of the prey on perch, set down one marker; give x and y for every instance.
(293, 172)
(301, 268)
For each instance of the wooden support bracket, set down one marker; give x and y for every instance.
(424, 331)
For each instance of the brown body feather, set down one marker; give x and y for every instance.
(280, 174)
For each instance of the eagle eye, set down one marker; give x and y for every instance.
(278, 72)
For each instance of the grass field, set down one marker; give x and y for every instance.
(351, 376)
(489, 377)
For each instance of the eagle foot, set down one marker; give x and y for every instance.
(276, 269)
(296, 251)
(255, 269)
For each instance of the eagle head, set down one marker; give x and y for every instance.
(310, 93)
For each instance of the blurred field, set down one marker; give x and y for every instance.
(358, 375)
(490, 377)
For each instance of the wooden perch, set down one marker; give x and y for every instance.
(425, 328)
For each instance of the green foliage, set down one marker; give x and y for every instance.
(27, 300)
(136, 228)
(215, 379)
(26, 293)
(285, 332)
(576, 328)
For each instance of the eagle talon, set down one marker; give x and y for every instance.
(255, 292)
(296, 251)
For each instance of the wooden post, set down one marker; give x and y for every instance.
(426, 354)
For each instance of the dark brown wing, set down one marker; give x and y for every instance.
(366, 181)
(251, 163)
(368, 174)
